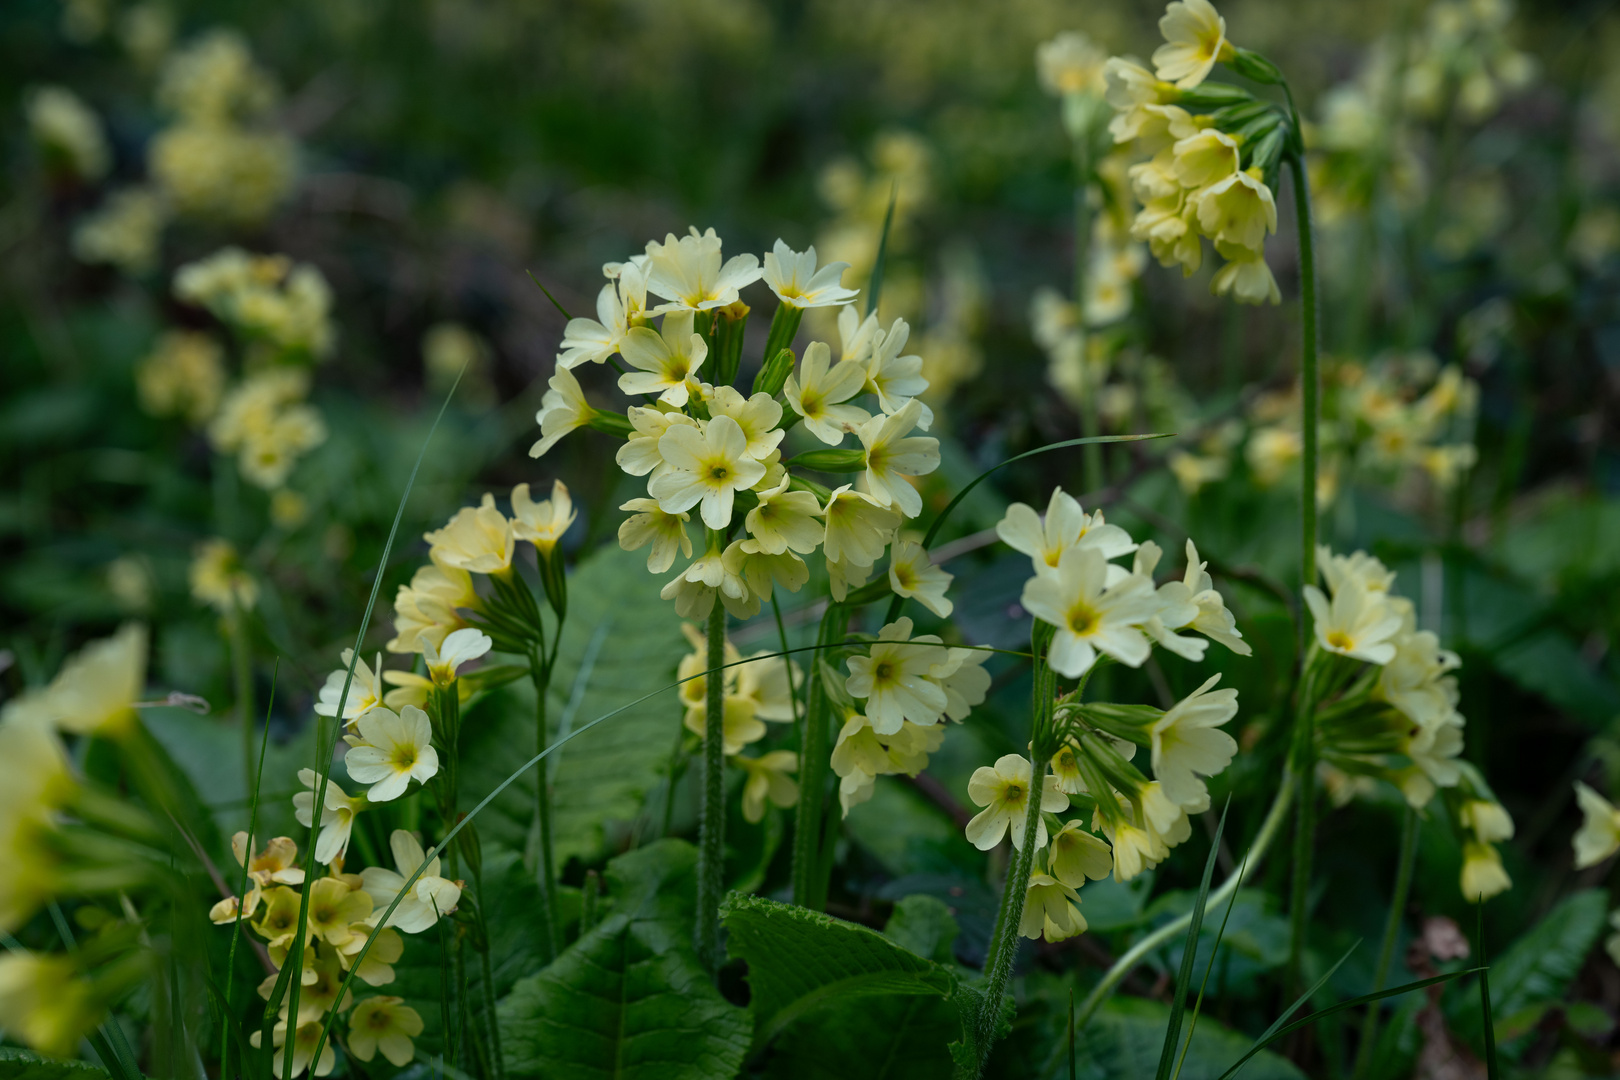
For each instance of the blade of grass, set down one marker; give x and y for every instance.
(241, 892)
(1189, 955)
(1274, 1032)
(933, 530)
(1485, 998)
(1071, 1033)
(1220, 935)
(323, 764)
(874, 285)
(110, 1031)
(553, 299)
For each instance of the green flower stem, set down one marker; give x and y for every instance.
(814, 762)
(545, 874)
(242, 675)
(1092, 475)
(1178, 926)
(1392, 930)
(1310, 380)
(712, 814)
(1303, 754)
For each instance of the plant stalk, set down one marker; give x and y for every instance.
(815, 759)
(545, 870)
(1310, 379)
(712, 814)
(242, 676)
(1392, 930)
(1093, 477)
(1303, 753)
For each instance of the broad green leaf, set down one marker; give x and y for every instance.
(923, 924)
(18, 1064)
(801, 960)
(1539, 966)
(629, 999)
(628, 642)
(1125, 1038)
(873, 1038)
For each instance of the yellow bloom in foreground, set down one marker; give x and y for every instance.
(1246, 277)
(365, 689)
(1195, 38)
(45, 1004)
(1358, 623)
(461, 647)
(1077, 855)
(303, 1048)
(394, 749)
(1599, 835)
(542, 523)
(478, 539)
(793, 277)
(912, 574)
(666, 360)
(708, 467)
(1188, 743)
(1482, 874)
(687, 272)
(562, 410)
(768, 779)
(1238, 210)
(333, 906)
(1090, 616)
(1051, 910)
(337, 815)
(894, 678)
(1003, 791)
(858, 527)
(665, 532)
(386, 1024)
(96, 690)
(425, 611)
(893, 454)
(429, 899)
(817, 393)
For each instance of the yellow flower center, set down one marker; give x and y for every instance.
(1338, 639)
(1083, 619)
(1013, 793)
(719, 471)
(404, 758)
(883, 672)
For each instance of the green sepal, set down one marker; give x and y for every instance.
(774, 375)
(799, 483)
(830, 461)
(610, 423)
(1233, 117)
(869, 593)
(1267, 152)
(1251, 65)
(784, 327)
(729, 323)
(1213, 95)
(554, 576)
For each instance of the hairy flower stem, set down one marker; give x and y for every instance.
(712, 814)
(814, 762)
(1178, 926)
(1092, 460)
(242, 675)
(1310, 379)
(1303, 754)
(545, 871)
(1392, 930)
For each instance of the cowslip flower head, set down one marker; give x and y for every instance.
(856, 335)
(562, 410)
(1202, 159)
(639, 455)
(1003, 790)
(897, 379)
(618, 305)
(1246, 277)
(304, 1042)
(426, 610)
(1194, 39)
(478, 539)
(786, 520)
(1599, 835)
(894, 678)
(1483, 875)
(365, 690)
(913, 575)
(1357, 623)
(394, 749)
(219, 579)
(666, 360)
(429, 899)
(793, 277)
(1188, 743)
(963, 678)
(665, 532)
(768, 779)
(1090, 615)
(818, 393)
(1077, 855)
(687, 272)
(337, 818)
(1132, 90)
(386, 1024)
(858, 527)
(542, 523)
(708, 466)
(1051, 910)
(1065, 526)
(759, 417)
(334, 908)
(1238, 210)
(893, 454)
(45, 1004)
(95, 691)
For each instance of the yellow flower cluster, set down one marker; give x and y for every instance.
(757, 691)
(902, 165)
(183, 375)
(212, 163)
(265, 422)
(266, 298)
(125, 231)
(346, 912)
(68, 133)
(219, 580)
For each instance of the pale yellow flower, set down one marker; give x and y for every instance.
(1188, 743)
(1077, 855)
(618, 305)
(95, 691)
(544, 523)
(125, 231)
(894, 679)
(1065, 526)
(768, 779)
(425, 610)
(687, 272)
(1599, 835)
(1003, 791)
(1090, 615)
(304, 1040)
(708, 466)
(818, 393)
(461, 647)
(666, 361)
(386, 1024)
(430, 898)
(1246, 277)
(893, 454)
(219, 580)
(665, 532)
(1238, 210)
(1358, 623)
(365, 689)
(913, 575)
(337, 817)
(45, 1004)
(562, 410)
(793, 277)
(478, 540)
(1483, 875)
(639, 455)
(1195, 38)
(759, 416)
(1051, 910)
(858, 527)
(786, 520)
(394, 749)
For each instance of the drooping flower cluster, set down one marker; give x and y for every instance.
(1388, 709)
(757, 692)
(709, 450)
(894, 704)
(1210, 174)
(1097, 611)
(265, 298)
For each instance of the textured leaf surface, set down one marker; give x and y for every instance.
(873, 1038)
(1126, 1037)
(801, 960)
(626, 641)
(18, 1064)
(629, 999)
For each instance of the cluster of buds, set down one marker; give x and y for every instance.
(1386, 708)
(711, 448)
(345, 912)
(1214, 150)
(1091, 610)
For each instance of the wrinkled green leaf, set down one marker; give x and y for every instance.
(604, 775)
(629, 999)
(873, 1038)
(1125, 1037)
(16, 1064)
(801, 960)
(923, 924)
